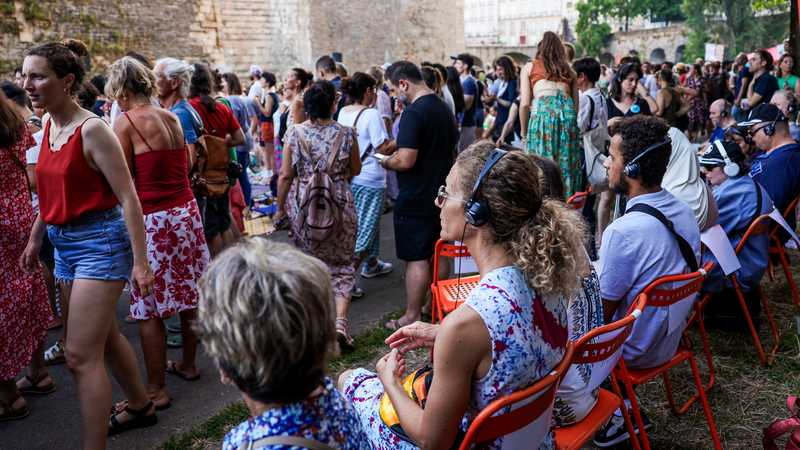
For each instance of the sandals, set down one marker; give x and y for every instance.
(55, 354)
(33, 387)
(139, 419)
(343, 334)
(172, 369)
(9, 413)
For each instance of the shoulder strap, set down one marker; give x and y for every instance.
(137, 131)
(337, 142)
(591, 112)
(685, 248)
(289, 441)
(358, 116)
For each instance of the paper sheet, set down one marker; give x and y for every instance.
(720, 246)
(778, 217)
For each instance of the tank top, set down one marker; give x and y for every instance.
(670, 114)
(161, 176)
(68, 187)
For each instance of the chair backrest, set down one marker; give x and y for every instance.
(531, 406)
(447, 250)
(602, 347)
(662, 297)
(577, 200)
(758, 227)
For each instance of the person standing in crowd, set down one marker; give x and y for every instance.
(217, 120)
(328, 69)
(514, 307)
(369, 186)
(740, 201)
(549, 90)
(649, 80)
(275, 348)
(383, 103)
(173, 80)
(256, 91)
(777, 169)
(669, 101)
(697, 91)
(24, 304)
(717, 82)
(505, 90)
(638, 248)
(266, 132)
(154, 146)
(244, 113)
(720, 115)
(423, 154)
(453, 86)
(297, 80)
(764, 84)
(320, 141)
(627, 97)
(783, 72)
(463, 65)
(82, 180)
(741, 82)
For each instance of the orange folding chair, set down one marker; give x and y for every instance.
(447, 295)
(528, 407)
(601, 347)
(578, 199)
(658, 297)
(776, 248)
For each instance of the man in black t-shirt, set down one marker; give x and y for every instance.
(422, 156)
(764, 84)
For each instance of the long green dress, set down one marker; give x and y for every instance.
(553, 133)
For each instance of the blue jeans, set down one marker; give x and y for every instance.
(244, 180)
(95, 246)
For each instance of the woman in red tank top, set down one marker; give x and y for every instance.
(82, 181)
(153, 142)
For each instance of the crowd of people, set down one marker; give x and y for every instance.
(141, 176)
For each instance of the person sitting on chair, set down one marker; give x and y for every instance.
(639, 248)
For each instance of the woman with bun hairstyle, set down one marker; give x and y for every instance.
(90, 211)
(297, 80)
(370, 185)
(530, 255)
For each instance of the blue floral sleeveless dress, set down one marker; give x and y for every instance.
(528, 337)
(327, 418)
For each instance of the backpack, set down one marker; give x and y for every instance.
(209, 176)
(320, 215)
(595, 144)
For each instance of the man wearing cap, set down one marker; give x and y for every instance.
(463, 63)
(777, 169)
(740, 201)
(256, 90)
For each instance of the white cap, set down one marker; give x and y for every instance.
(255, 70)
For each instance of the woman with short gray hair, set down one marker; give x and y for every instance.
(266, 317)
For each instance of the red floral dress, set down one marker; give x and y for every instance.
(24, 307)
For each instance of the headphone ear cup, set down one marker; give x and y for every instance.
(631, 170)
(769, 130)
(475, 213)
(731, 169)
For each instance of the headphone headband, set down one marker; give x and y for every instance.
(731, 168)
(495, 156)
(650, 149)
(477, 213)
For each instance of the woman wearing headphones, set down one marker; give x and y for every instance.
(513, 322)
(627, 97)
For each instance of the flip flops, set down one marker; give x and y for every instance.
(8, 413)
(172, 369)
(139, 419)
(33, 387)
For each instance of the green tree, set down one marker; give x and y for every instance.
(593, 32)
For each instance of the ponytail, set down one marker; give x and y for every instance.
(549, 250)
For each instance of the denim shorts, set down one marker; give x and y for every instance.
(95, 246)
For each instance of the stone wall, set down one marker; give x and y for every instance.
(275, 34)
(669, 40)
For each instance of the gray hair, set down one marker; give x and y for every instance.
(176, 69)
(266, 317)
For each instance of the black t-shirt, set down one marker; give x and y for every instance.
(428, 126)
(765, 86)
(640, 106)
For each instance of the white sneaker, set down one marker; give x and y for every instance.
(381, 268)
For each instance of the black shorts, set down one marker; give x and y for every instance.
(217, 215)
(415, 236)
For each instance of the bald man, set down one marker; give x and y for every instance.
(720, 114)
(787, 103)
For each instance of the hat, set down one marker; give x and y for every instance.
(765, 112)
(713, 157)
(466, 58)
(255, 70)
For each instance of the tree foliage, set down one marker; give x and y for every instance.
(593, 32)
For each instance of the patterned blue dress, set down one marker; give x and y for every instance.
(327, 418)
(528, 335)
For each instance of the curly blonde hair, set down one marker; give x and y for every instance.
(129, 75)
(545, 237)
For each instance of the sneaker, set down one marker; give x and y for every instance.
(615, 431)
(380, 268)
(54, 355)
(357, 292)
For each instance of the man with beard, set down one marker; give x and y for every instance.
(639, 247)
(422, 157)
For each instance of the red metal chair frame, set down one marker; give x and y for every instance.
(776, 248)
(588, 352)
(662, 298)
(443, 292)
(487, 426)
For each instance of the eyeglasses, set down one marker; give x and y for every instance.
(442, 196)
(752, 131)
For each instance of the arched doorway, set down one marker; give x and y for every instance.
(658, 56)
(519, 58)
(607, 59)
(679, 53)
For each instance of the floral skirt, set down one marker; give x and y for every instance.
(553, 133)
(178, 255)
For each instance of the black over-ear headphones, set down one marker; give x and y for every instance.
(633, 168)
(477, 212)
(769, 130)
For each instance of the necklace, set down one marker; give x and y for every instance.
(60, 132)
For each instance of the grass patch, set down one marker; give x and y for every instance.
(207, 435)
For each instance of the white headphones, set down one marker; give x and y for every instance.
(731, 169)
